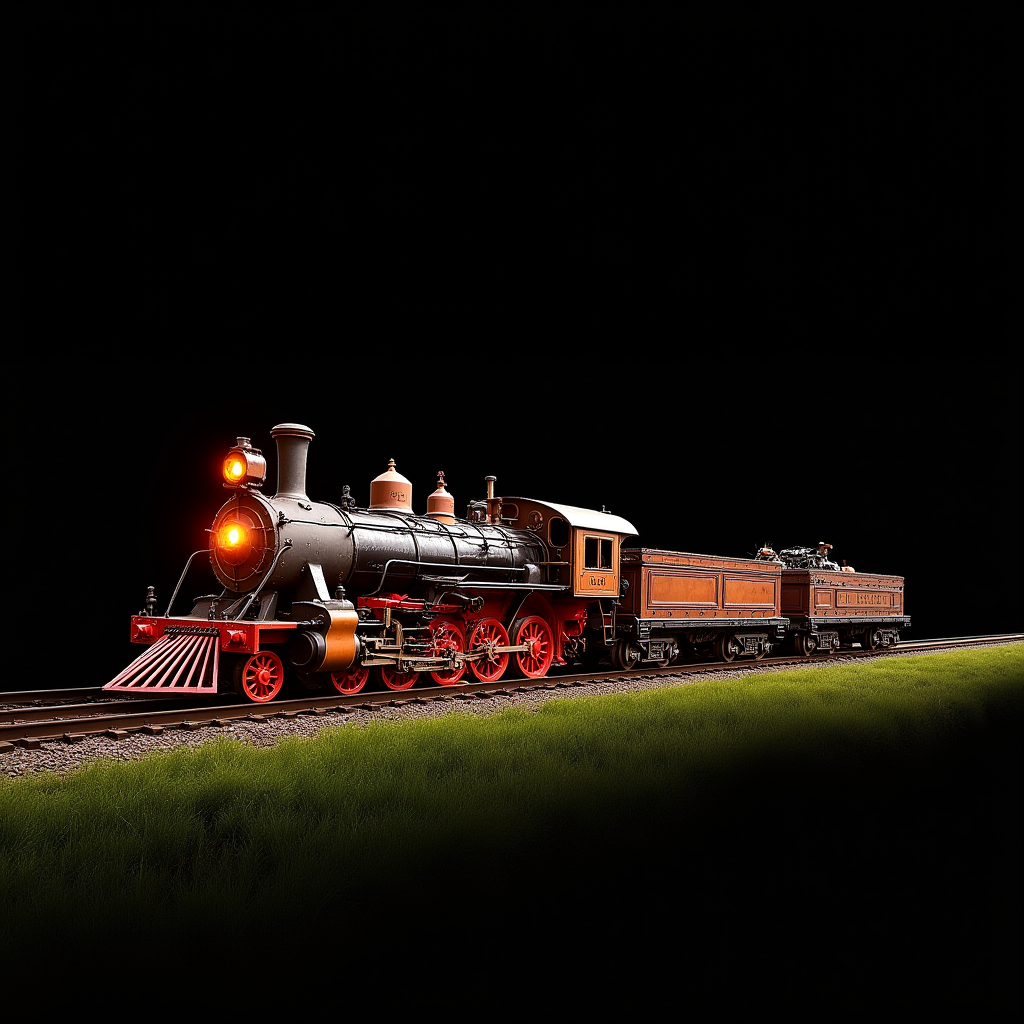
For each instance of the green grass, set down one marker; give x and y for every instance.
(874, 807)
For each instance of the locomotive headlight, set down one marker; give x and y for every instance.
(232, 535)
(244, 466)
(234, 542)
(243, 539)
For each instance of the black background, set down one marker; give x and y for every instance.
(738, 273)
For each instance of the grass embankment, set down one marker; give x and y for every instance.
(828, 812)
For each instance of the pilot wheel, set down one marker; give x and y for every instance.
(259, 677)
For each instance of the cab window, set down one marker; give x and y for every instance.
(597, 552)
(558, 532)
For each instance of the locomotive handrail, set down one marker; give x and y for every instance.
(440, 566)
(263, 582)
(181, 578)
(499, 584)
(270, 572)
(458, 528)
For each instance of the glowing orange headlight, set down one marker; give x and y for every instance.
(234, 542)
(234, 469)
(232, 535)
(244, 466)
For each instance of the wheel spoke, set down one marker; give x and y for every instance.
(395, 680)
(485, 636)
(350, 680)
(259, 678)
(448, 639)
(534, 663)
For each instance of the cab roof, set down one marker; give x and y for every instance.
(586, 518)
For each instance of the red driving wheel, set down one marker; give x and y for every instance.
(486, 635)
(395, 680)
(535, 662)
(447, 639)
(350, 680)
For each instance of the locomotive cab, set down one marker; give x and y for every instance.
(584, 544)
(585, 550)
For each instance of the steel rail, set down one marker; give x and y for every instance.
(30, 722)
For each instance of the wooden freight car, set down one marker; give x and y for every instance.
(676, 603)
(831, 608)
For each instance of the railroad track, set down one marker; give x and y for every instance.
(30, 718)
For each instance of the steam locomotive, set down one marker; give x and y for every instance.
(337, 597)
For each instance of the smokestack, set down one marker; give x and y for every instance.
(292, 446)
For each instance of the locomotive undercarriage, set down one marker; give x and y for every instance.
(397, 648)
(810, 638)
(642, 642)
(387, 641)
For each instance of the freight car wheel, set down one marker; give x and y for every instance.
(533, 663)
(869, 639)
(725, 647)
(625, 655)
(350, 680)
(485, 636)
(259, 678)
(395, 680)
(804, 645)
(448, 639)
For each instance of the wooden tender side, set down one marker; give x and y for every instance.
(828, 609)
(678, 602)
